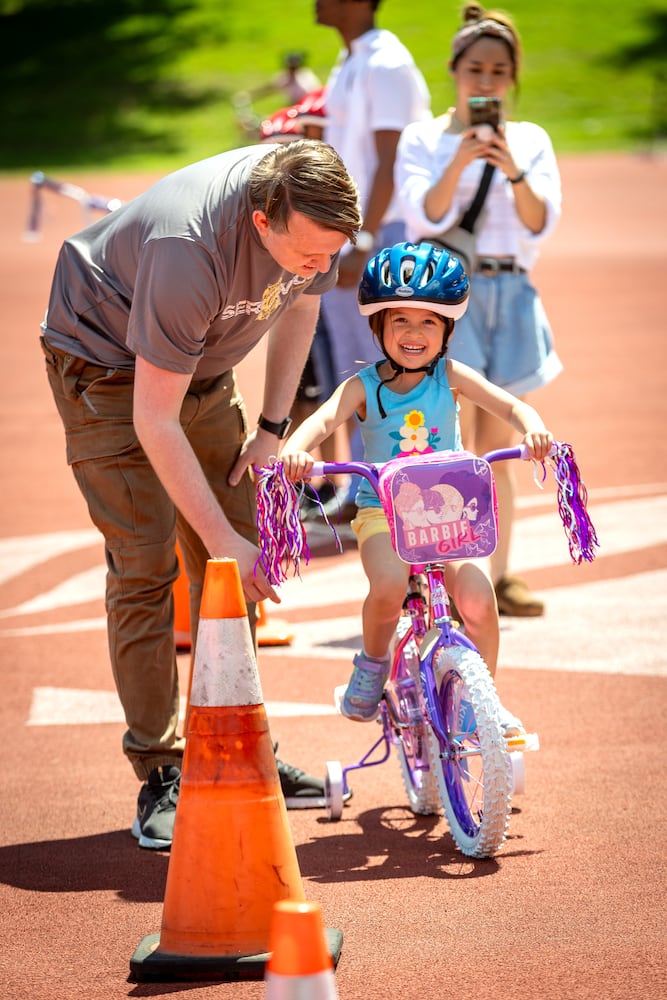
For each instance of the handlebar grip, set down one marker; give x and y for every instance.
(519, 451)
(504, 454)
(365, 469)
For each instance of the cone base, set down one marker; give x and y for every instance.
(274, 632)
(149, 964)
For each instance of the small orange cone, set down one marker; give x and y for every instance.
(300, 966)
(232, 855)
(272, 631)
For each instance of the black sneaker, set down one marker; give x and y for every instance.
(156, 808)
(301, 790)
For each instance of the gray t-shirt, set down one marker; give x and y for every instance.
(178, 276)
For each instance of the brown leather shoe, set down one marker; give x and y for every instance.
(515, 599)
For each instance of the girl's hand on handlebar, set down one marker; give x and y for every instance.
(538, 444)
(297, 464)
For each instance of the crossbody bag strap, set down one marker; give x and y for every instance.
(470, 218)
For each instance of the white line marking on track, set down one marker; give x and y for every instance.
(79, 625)
(604, 612)
(604, 494)
(20, 554)
(53, 706)
(78, 589)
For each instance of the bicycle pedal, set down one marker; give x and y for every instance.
(524, 742)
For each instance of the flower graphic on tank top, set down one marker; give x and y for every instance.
(414, 437)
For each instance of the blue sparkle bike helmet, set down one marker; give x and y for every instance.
(417, 277)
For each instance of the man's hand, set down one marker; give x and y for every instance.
(253, 579)
(257, 449)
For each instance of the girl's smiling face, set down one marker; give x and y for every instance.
(413, 337)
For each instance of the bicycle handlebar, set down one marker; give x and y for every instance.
(371, 470)
(283, 537)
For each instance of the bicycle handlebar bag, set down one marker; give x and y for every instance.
(440, 507)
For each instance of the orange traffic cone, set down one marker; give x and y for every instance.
(232, 854)
(182, 634)
(272, 631)
(300, 966)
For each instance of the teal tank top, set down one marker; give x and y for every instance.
(422, 421)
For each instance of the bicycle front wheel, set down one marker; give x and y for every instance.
(474, 774)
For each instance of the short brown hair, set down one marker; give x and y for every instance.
(306, 176)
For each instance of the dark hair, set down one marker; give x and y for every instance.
(306, 176)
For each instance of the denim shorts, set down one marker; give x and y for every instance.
(505, 334)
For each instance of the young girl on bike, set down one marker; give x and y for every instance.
(408, 404)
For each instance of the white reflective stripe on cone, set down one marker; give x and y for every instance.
(222, 642)
(321, 986)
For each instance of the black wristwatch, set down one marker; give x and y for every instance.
(280, 430)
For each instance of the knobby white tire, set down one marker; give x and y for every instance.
(484, 780)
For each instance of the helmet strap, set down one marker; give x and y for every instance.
(401, 370)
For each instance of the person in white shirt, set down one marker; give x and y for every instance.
(505, 334)
(374, 90)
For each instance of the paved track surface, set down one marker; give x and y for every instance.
(574, 905)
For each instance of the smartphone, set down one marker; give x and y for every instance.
(485, 111)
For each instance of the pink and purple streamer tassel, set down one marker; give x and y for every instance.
(282, 536)
(572, 499)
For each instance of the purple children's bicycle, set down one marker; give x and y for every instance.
(439, 710)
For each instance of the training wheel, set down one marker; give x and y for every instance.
(523, 742)
(333, 789)
(518, 773)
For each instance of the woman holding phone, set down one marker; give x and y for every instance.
(505, 334)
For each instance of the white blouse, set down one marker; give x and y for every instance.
(423, 153)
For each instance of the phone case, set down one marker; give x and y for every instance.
(485, 111)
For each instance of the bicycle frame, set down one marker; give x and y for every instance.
(432, 631)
